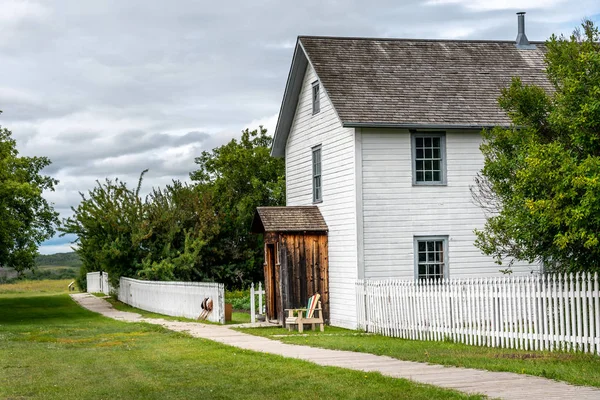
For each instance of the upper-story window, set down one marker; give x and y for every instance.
(316, 97)
(431, 257)
(316, 174)
(429, 158)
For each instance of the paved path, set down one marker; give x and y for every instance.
(503, 385)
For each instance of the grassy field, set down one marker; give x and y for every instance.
(50, 348)
(576, 368)
(35, 288)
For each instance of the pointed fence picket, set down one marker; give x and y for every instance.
(550, 312)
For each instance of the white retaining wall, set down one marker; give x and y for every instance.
(97, 282)
(178, 299)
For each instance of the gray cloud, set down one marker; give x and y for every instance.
(114, 87)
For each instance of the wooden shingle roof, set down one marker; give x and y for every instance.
(410, 83)
(288, 219)
(418, 82)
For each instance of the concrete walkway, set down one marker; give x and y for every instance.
(503, 385)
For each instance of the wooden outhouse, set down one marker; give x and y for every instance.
(296, 265)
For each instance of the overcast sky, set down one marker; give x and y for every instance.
(110, 88)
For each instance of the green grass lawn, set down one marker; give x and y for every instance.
(576, 368)
(50, 348)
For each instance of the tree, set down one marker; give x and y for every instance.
(155, 238)
(541, 177)
(183, 232)
(109, 224)
(239, 176)
(26, 218)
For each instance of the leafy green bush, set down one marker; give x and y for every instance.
(81, 279)
(239, 299)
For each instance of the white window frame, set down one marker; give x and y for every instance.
(442, 159)
(446, 263)
(316, 97)
(317, 175)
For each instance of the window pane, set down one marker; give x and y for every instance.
(431, 257)
(428, 157)
(431, 269)
(430, 261)
(439, 245)
(316, 169)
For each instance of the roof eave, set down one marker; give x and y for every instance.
(290, 101)
(419, 126)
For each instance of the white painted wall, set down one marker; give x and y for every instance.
(339, 203)
(179, 299)
(97, 283)
(395, 211)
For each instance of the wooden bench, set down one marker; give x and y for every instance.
(312, 314)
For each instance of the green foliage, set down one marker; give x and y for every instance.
(239, 176)
(156, 238)
(81, 279)
(26, 218)
(239, 299)
(541, 178)
(70, 259)
(109, 224)
(184, 232)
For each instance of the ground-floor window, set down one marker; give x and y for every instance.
(431, 257)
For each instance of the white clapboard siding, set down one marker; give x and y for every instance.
(338, 183)
(179, 299)
(395, 211)
(553, 312)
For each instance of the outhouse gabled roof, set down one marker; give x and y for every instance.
(288, 219)
(411, 83)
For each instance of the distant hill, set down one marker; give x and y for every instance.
(70, 259)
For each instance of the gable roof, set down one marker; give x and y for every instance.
(288, 219)
(411, 83)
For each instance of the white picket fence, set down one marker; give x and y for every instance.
(556, 312)
(97, 282)
(179, 299)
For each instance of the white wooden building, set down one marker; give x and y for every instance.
(383, 136)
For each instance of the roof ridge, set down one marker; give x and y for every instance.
(412, 40)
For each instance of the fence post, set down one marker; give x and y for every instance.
(260, 298)
(252, 304)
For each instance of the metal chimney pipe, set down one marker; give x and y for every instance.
(521, 37)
